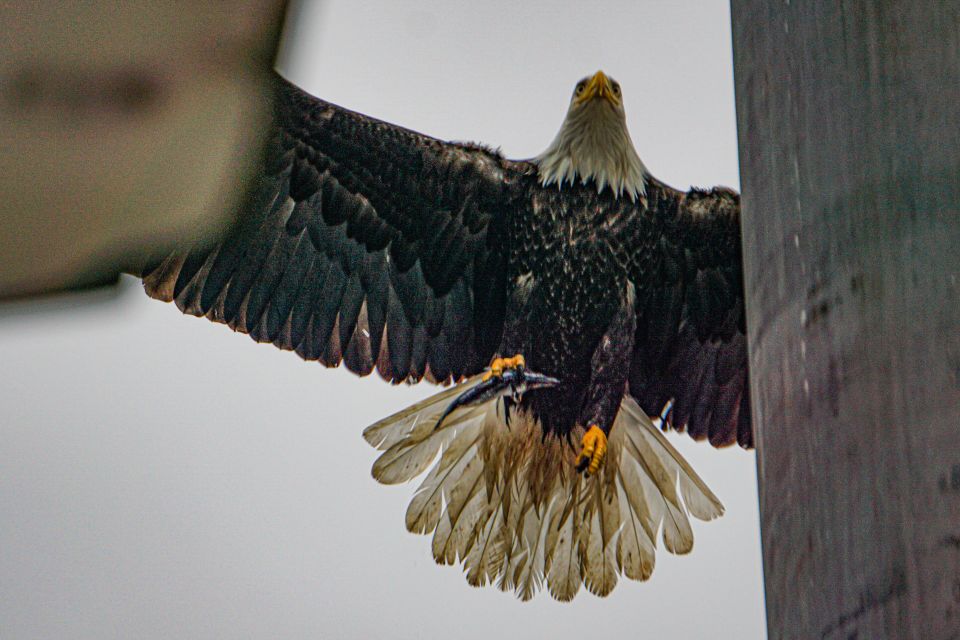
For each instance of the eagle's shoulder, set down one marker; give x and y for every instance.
(715, 202)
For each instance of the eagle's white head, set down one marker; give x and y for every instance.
(593, 143)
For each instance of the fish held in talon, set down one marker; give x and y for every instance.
(513, 380)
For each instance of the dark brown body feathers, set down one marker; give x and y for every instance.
(375, 246)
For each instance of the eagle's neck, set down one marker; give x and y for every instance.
(594, 144)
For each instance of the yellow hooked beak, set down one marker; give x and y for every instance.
(599, 86)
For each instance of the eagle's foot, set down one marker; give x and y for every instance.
(593, 450)
(499, 365)
(507, 376)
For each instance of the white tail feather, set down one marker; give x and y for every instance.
(507, 503)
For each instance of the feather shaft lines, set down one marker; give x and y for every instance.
(507, 504)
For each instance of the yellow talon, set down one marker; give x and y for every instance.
(515, 362)
(499, 364)
(594, 448)
(496, 369)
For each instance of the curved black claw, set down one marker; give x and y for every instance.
(513, 381)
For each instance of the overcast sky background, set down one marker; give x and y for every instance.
(162, 477)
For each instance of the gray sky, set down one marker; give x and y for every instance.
(163, 477)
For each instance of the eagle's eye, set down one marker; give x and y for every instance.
(580, 87)
(616, 88)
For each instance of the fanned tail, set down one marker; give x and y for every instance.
(506, 502)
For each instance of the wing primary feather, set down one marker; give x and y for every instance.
(284, 295)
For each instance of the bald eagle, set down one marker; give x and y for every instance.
(567, 298)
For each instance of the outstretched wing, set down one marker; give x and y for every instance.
(362, 242)
(690, 347)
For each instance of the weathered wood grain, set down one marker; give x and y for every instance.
(849, 124)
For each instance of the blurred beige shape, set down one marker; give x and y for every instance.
(125, 127)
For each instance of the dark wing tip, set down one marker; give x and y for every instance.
(690, 346)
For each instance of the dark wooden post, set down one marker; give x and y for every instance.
(849, 122)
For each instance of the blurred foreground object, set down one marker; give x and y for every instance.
(124, 128)
(850, 156)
